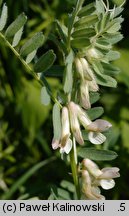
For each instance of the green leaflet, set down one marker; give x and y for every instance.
(30, 56)
(80, 43)
(103, 44)
(112, 55)
(97, 155)
(32, 44)
(55, 71)
(17, 37)
(101, 78)
(68, 185)
(86, 21)
(106, 80)
(68, 81)
(86, 32)
(61, 32)
(59, 194)
(3, 17)
(45, 61)
(95, 112)
(45, 97)
(100, 7)
(87, 10)
(72, 16)
(56, 121)
(113, 38)
(110, 69)
(117, 12)
(68, 84)
(94, 97)
(16, 25)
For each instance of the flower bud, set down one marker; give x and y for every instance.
(86, 69)
(75, 126)
(93, 53)
(84, 95)
(79, 68)
(92, 167)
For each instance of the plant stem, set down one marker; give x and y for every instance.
(74, 171)
(30, 70)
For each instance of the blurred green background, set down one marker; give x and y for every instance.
(26, 125)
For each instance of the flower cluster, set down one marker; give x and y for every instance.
(93, 177)
(72, 117)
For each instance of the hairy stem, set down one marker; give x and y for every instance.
(74, 170)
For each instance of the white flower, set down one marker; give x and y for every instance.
(91, 192)
(75, 126)
(64, 143)
(92, 177)
(94, 128)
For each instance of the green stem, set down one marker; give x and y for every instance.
(74, 171)
(29, 69)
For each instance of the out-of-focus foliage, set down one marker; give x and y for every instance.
(26, 125)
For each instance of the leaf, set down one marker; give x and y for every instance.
(100, 7)
(87, 10)
(117, 11)
(32, 44)
(68, 80)
(3, 17)
(60, 29)
(45, 97)
(86, 32)
(106, 81)
(55, 71)
(113, 38)
(112, 55)
(103, 79)
(17, 37)
(80, 42)
(86, 21)
(68, 83)
(30, 56)
(104, 21)
(45, 61)
(94, 97)
(16, 25)
(103, 44)
(110, 69)
(95, 112)
(116, 27)
(97, 155)
(56, 121)
(68, 185)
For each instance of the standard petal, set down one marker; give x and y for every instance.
(96, 138)
(109, 173)
(99, 125)
(107, 183)
(92, 167)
